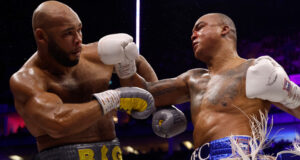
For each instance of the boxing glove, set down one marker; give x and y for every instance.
(135, 101)
(168, 122)
(119, 50)
(267, 80)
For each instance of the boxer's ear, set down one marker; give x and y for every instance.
(225, 30)
(40, 35)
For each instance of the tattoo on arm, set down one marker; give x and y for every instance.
(169, 91)
(163, 91)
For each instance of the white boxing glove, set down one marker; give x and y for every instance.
(127, 67)
(267, 80)
(119, 50)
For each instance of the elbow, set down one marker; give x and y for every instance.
(58, 129)
(56, 134)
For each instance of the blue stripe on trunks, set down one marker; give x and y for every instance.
(221, 148)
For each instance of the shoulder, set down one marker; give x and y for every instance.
(27, 79)
(90, 53)
(195, 73)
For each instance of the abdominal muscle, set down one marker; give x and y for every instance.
(210, 125)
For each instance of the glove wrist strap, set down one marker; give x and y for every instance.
(293, 98)
(108, 100)
(126, 69)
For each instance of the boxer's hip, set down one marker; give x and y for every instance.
(109, 150)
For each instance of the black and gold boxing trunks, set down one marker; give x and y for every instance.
(88, 151)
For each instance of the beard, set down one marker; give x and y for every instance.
(60, 55)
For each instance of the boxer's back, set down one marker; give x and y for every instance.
(222, 109)
(89, 76)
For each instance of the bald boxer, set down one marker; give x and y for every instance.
(231, 90)
(62, 93)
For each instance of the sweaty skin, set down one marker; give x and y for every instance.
(219, 106)
(53, 89)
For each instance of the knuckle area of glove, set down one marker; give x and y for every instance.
(137, 104)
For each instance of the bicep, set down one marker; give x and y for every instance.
(30, 95)
(43, 105)
(33, 103)
(42, 109)
(169, 91)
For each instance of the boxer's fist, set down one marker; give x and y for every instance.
(267, 80)
(135, 101)
(168, 122)
(119, 50)
(111, 48)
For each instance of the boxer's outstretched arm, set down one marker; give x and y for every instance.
(47, 110)
(144, 70)
(169, 91)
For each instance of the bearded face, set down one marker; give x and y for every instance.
(61, 56)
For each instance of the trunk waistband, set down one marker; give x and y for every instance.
(109, 150)
(221, 148)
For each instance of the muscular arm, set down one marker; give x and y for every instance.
(144, 70)
(167, 91)
(295, 112)
(47, 111)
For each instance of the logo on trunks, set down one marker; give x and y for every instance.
(243, 144)
(106, 153)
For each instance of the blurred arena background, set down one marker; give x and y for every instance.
(269, 27)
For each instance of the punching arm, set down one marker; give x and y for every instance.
(169, 91)
(47, 111)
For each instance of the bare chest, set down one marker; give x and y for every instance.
(222, 91)
(79, 85)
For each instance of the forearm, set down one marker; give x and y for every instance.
(168, 91)
(145, 73)
(136, 80)
(145, 70)
(75, 118)
(165, 92)
(295, 112)
(58, 119)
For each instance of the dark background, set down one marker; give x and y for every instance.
(269, 27)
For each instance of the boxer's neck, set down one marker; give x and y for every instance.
(223, 62)
(47, 62)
